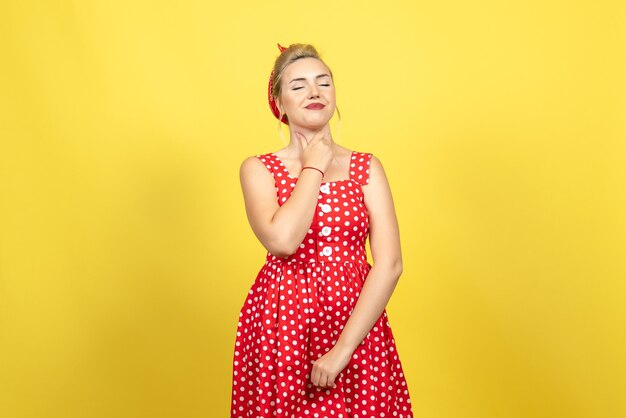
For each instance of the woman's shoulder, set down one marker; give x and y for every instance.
(255, 158)
(254, 164)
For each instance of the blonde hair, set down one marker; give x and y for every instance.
(293, 53)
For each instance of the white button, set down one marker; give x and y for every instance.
(327, 251)
(325, 188)
(326, 208)
(326, 231)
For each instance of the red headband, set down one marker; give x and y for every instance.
(273, 106)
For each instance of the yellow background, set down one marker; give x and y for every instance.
(125, 252)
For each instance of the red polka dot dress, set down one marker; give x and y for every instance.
(297, 307)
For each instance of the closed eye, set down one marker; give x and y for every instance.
(298, 88)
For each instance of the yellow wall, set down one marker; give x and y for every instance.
(125, 253)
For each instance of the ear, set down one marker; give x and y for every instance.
(279, 105)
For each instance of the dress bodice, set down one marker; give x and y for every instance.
(340, 225)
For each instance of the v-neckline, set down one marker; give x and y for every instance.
(280, 162)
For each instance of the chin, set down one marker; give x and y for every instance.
(315, 124)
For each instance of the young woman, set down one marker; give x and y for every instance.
(313, 338)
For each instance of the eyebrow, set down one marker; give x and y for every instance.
(300, 79)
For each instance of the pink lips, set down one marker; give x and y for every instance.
(315, 106)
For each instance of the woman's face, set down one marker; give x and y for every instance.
(307, 93)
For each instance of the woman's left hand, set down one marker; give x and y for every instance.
(326, 368)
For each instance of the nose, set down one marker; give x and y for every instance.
(314, 92)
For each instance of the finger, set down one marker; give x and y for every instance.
(327, 383)
(315, 376)
(315, 138)
(318, 380)
(326, 133)
(321, 380)
(321, 134)
(302, 138)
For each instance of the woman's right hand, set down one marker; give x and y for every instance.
(317, 152)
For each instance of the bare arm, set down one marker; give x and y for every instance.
(279, 228)
(386, 253)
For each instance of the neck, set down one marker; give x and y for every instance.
(295, 147)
